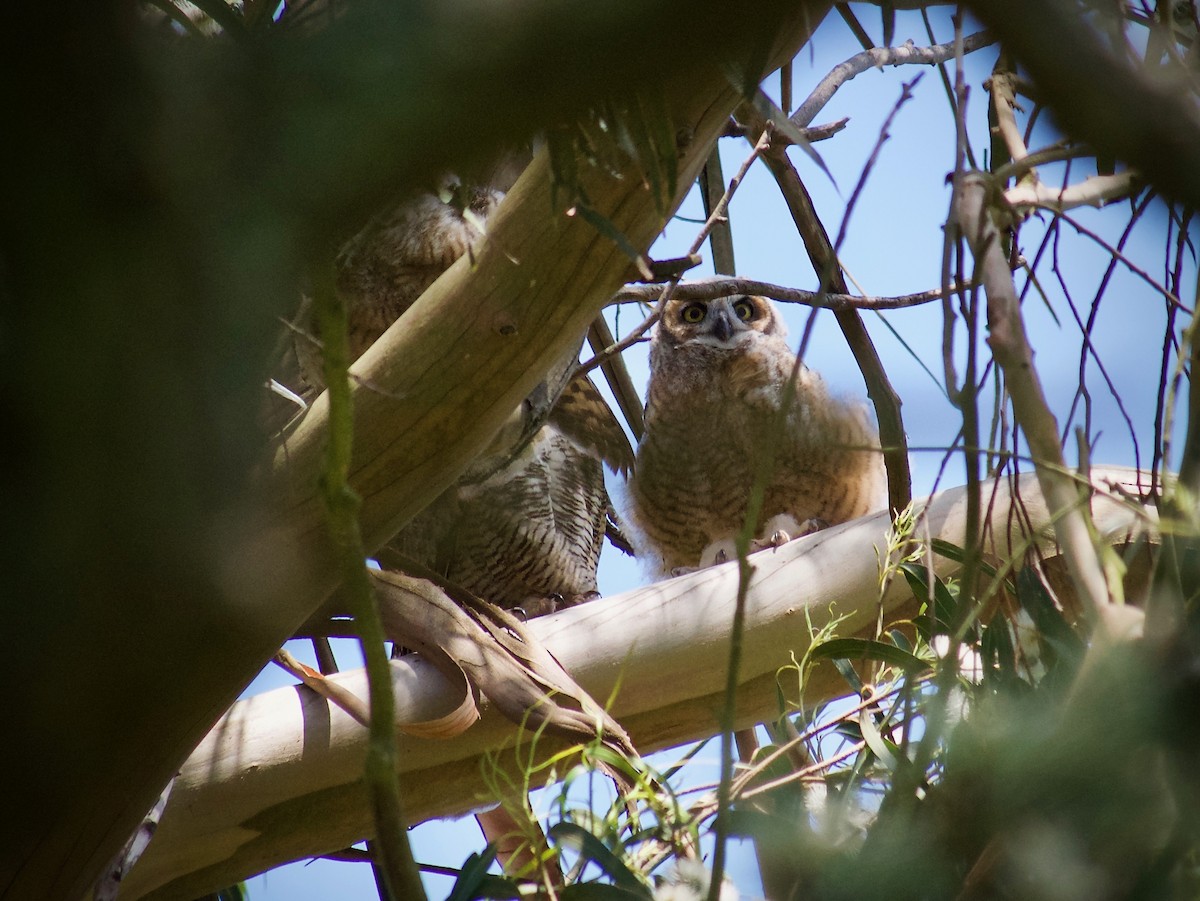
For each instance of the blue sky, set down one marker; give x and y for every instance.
(893, 246)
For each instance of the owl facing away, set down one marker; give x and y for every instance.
(718, 372)
(524, 526)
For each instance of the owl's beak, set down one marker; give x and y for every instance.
(722, 326)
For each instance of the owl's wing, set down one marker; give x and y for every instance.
(582, 414)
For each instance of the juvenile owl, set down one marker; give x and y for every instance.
(524, 526)
(384, 268)
(718, 372)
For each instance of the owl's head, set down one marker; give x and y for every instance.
(722, 323)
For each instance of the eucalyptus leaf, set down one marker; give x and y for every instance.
(869, 649)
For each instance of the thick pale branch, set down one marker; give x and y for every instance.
(433, 391)
(122, 256)
(1096, 191)
(277, 779)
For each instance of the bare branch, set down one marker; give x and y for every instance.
(725, 286)
(1004, 100)
(1012, 352)
(1101, 98)
(1095, 191)
(906, 54)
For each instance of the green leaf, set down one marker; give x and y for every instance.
(849, 673)
(591, 848)
(473, 875)
(617, 762)
(944, 604)
(638, 137)
(900, 640)
(999, 659)
(869, 649)
(944, 548)
(886, 752)
(1054, 629)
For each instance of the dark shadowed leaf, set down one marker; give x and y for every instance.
(868, 649)
(591, 848)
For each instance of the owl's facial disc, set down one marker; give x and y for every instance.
(726, 322)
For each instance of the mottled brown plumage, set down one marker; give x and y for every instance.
(718, 371)
(389, 264)
(523, 527)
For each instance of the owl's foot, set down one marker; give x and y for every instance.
(536, 606)
(721, 551)
(778, 531)
(574, 600)
(781, 529)
(540, 606)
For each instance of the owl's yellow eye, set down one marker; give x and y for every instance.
(744, 310)
(693, 313)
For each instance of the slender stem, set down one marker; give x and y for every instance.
(402, 878)
(713, 287)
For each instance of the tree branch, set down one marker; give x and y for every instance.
(236, 805)
(1154, 126)
(877, 58)
(724, 286)
(1011, 350)
(122, 260)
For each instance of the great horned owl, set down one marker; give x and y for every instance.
(525, 531)
(523, 527)
(389, 264)
(718, 370)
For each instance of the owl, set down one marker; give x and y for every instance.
(718, 373)
(524, 526)
(389, 264)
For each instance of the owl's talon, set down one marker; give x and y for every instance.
(809, 526)
(778, 539)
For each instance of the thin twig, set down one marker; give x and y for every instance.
(812, 134)
(713, 287)
(668, 290)
(1054, 154)
(753, 507)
